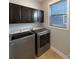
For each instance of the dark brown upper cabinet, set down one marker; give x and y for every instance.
(14, 13)
(26, 14)
(10, 13)
(35, 15)
(22, 14)
(40, 16)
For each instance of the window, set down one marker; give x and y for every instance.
(58, 16)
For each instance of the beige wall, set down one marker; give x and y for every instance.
(60, 39)
(28, 3)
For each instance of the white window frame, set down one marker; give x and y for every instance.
(49, 14)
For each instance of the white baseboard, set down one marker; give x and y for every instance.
(59, 53)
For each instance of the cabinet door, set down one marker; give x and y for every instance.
(40, 16)
(26, 15)
(14, 13)
(10, 13)
(35, 15)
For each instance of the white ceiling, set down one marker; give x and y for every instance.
(40, 0)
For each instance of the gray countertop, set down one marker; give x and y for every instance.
(23, 30)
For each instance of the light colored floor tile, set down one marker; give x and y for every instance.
(50, 54)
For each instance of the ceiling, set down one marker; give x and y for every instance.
(40, 0)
